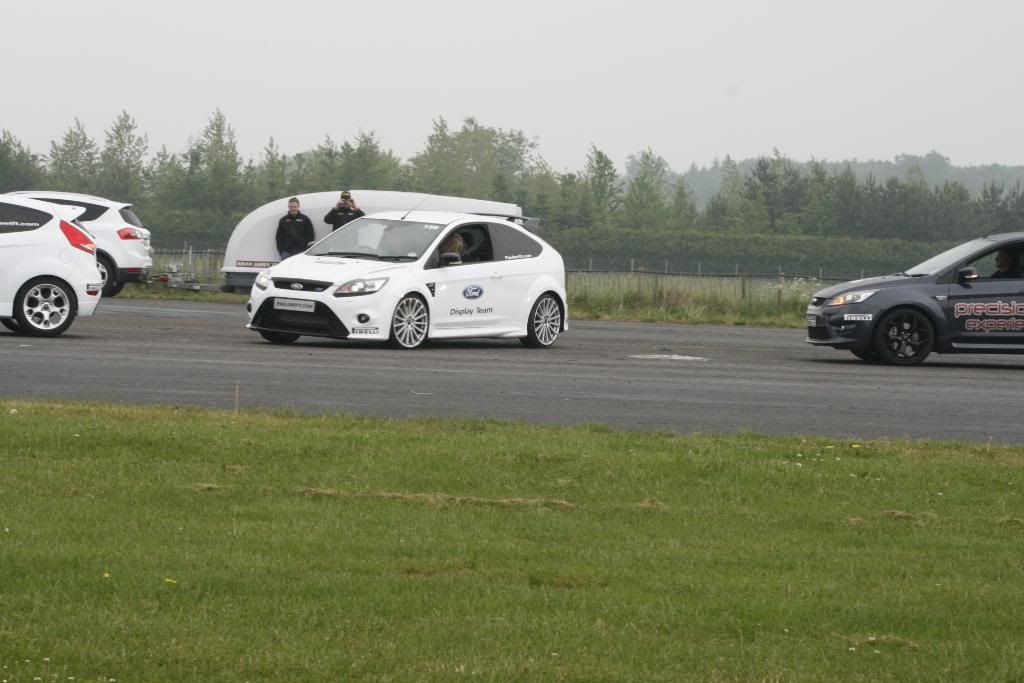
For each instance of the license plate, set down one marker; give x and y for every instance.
(295, 305)
(812, 321)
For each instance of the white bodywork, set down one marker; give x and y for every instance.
(252, 248)
(33, 245)
(490, 297)
(129, 251)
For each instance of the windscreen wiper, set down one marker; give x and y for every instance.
(351, 254)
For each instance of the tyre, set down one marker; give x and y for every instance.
(116, 289)
(108, 275)
(279, 337)
(867, 355)
(45, 307)
(11, 324)
(904, 336)
(410, 323)
(544, 324)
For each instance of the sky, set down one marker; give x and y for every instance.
(693, 81)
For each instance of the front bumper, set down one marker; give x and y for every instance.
(841, 327)
(358, 317)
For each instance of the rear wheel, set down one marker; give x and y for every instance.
(544, 324)
(108, 275)
(904, 336)
(279, 337)
(11, 324)
(410, 323)
(45, 307)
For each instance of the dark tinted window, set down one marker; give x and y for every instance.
(1004, 262)
(14, 218)
(92, 211)
(512, 245)
(129, 216)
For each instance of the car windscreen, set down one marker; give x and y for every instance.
(376, 238)
(129, 216)
(950, 257)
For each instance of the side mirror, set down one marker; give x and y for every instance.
(451, 259)
(966, 275)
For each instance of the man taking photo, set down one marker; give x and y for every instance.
(344, 211)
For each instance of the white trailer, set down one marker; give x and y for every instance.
(252, 246)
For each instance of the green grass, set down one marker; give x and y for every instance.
(169, 544)
(644, 297)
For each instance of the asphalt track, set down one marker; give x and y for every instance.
(702, 378)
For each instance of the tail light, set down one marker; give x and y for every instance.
(130, 234)
(77, 238)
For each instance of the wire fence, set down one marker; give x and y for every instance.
(204, 266)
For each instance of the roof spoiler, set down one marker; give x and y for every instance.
(531, 224)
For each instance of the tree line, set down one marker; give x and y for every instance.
(765, 213)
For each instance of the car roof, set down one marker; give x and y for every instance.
(29, 203)
(72, 196)
(438, 217)
(1005, 236)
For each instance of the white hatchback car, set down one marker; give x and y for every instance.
(384, 278)
(123, 253)
(48, 269)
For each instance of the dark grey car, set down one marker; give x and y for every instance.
(969, 299)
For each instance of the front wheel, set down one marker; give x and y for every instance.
(45, 307)
(410, 323)
(904, 336)
(279, 337)
(544, 324)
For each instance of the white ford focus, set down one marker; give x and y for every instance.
(413, 276)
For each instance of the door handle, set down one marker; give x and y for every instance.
(496, 276)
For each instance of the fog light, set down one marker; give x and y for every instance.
(248, 307)
(363, 318)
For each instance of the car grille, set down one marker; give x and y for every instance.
(817, 333)
(301, 285)
(320, 323)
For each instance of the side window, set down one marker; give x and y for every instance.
(476, 243)
(511, 244)
(92, 211)
(1004, 262)
(14, 218)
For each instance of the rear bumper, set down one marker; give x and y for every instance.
(133, 274)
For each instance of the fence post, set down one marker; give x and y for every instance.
(590, 263)
(631, 269)
(782, 285)
(666, 266)
(699, 271)
(743, 287)
(737, 270)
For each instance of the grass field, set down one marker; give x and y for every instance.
(170, 544)
(645, 297)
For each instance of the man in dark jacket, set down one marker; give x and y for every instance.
(343, 212)
(294, 231)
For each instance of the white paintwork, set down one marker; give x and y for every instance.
(509, 287)
(45, 251)
(252, 241)
(136, 253)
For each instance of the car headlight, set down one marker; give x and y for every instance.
(263, 280)
(851, 297)
(360, 287)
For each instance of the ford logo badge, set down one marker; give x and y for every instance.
(473, 292)
(296, 285)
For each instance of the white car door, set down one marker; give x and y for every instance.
(471, 298)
